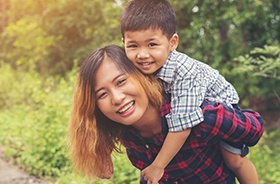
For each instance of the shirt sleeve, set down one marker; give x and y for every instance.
(224, 122)
(187, 94)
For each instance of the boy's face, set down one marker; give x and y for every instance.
(148, 49)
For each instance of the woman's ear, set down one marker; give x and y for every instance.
(174, 40)
(122, 39)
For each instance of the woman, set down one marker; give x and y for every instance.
(114, 102)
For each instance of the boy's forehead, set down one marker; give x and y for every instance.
(153, 30)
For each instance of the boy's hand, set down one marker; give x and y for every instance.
(152, 174)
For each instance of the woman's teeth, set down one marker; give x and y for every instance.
(125, 108)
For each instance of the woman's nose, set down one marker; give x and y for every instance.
(117, 97)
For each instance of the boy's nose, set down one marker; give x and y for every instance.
(142, 54)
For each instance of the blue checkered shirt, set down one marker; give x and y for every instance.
(190, 82)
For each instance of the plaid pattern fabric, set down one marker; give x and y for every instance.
(199, 160)
(190, 82)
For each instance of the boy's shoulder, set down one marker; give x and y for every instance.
(180, 59)
(180, 64)
(177, 60)
(177, 64)
(176, 57)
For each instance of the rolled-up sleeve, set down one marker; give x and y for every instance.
(187, 94)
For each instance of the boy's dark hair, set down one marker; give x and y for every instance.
(149, 14)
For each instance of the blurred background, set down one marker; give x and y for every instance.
(44, 42)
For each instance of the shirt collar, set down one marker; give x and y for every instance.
(167, 71)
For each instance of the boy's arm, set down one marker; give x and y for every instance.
(171, 146)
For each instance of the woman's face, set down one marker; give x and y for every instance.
(117, 96)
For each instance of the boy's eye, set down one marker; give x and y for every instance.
(152, 44)
(131, 46)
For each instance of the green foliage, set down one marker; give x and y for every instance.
(216, 31)
(33, 132)
(262, 68)
(264, 62)
(15, 89)
(265, 157)
(47, 35)
(26, 56)
(124, 172)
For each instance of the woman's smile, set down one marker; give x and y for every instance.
(126, 109)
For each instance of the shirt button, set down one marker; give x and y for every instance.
(147, 146)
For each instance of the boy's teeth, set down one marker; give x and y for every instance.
(145, 64)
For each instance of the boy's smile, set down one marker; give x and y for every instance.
(148, 49)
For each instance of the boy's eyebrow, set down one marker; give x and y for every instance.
(151, 39)
(96, 91)
(130, 41)
(148, 40)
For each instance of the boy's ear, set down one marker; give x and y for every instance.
(122, 39)
(174, 41)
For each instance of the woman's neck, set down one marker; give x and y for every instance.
(150, 123)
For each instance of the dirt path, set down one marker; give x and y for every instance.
(10, 174)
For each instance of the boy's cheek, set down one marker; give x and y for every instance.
(130, 56)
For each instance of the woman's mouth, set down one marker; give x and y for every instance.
(126, 107)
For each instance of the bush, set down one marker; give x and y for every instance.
(33, 125)
(262, 70)
(266, 156)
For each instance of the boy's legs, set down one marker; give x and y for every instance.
(234, 152)
(243, 168)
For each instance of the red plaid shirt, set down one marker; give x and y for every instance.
(199, 160)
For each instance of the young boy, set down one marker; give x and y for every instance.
(149, 36)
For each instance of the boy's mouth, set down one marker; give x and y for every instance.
(145, 63)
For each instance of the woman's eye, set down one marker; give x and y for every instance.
(120, 82)
(101, 95)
